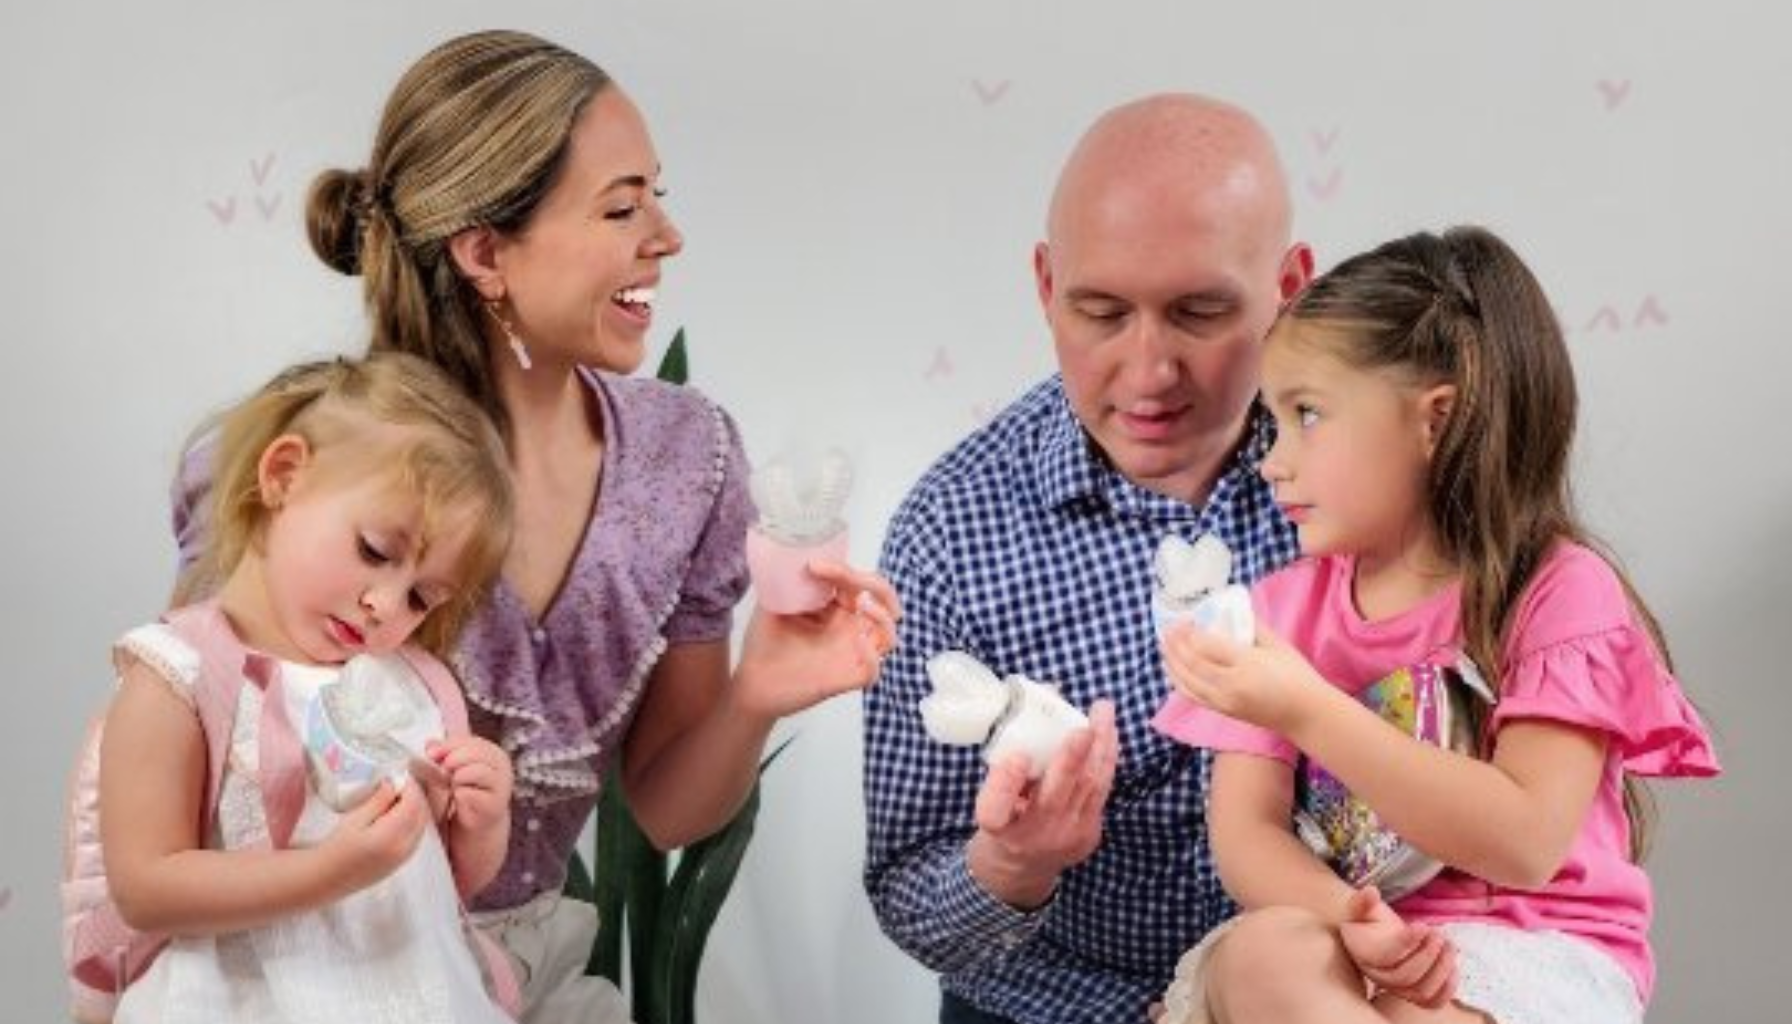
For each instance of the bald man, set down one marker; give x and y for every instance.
(1168, 253)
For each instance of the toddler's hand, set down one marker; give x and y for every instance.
(379, 834)
(479, 781)
(1412, 961)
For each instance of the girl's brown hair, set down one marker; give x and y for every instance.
(474, 134)
(1461, 308)
(389, 414)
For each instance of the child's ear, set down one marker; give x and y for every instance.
(475, 254)
(282, 461)
(1435, 405)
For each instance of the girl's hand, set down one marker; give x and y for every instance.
(371, 841)
(792, 662)
(480, 781)
(1265, 684)
(1411, 961)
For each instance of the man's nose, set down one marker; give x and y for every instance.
(1151, 355)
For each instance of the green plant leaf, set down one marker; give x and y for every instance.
(607, 857)
(700, 885)
(643, 869)
(578, 880)
(675, 367)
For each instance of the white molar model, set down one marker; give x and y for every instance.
(1191, 587)
(799, 520)
(371, 723)
(969, 705)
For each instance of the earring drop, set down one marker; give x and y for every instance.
(517, 348)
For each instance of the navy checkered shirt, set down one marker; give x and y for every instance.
(1024, 548)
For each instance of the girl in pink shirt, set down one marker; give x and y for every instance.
(1425, 405)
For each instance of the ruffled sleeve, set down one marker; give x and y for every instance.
(1592, 665)
(157, 648)
(717, 577)
(1187, 722)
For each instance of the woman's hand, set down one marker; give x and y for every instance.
(1267, 683)
(792, 662)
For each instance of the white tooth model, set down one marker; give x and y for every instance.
(799, 520)
(1016, 715)
(371, 723)
(1191, 587)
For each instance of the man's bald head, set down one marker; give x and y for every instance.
(1168, 253)
(1184, 146)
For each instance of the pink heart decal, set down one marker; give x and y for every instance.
(990, 94)
(1323, 141)
(940, 367)
(258, 169)
(1650, 312)
(1613, 92)
(1323, 189)
(225, 212)
(268, 206)
(1605, 319)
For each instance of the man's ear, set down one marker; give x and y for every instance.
(1042, 275)
(277, 474)
(1296, 271)
(474, 251)
(1435, 405)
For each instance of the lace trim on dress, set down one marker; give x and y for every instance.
(156, 648)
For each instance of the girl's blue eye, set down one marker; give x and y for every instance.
(1306, 415)
(370, 554)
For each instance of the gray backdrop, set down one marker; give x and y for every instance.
(860, 185)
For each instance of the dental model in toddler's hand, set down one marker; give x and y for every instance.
(1016, 715)
(370, 724)
(799, 521)
(1191, 587)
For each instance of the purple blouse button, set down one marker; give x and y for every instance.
(533, 825)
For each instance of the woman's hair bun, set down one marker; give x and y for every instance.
(333, 218)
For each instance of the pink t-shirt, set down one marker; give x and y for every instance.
(1577, 654)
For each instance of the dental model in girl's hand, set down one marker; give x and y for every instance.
(1191, 587)
(1016, 715)
(799, 521)
(369, 725)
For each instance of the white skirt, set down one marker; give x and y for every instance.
(1521, 977)
(1512, 975)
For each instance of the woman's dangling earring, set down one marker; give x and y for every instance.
(517, 348)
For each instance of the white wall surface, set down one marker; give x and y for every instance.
(860, 185)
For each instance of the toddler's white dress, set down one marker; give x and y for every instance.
(395, 952)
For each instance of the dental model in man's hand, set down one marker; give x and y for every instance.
(969, 705)
(799, 520)
(1191, 587)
